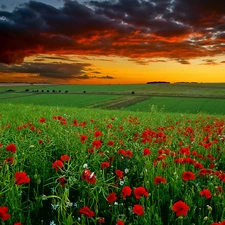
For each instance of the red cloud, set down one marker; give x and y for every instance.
(129, 28)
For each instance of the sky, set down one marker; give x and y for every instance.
(112, 41)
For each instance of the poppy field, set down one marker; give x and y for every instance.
(69, 166)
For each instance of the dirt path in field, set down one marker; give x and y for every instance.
(121, 102)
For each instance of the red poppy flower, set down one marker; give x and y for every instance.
(62, 180)
(188, 175)
(126, 191)
(89, 176)
(119, 174)
(3, 213)
(97, 143)
(198, 165)
(87, 212)
(91, 179)
(147, 151)
(19, 128)
(65, 158)
(9, 160)
(139, 191)
(159, 179)
(21, 177)
(42, 120)
(86, 173)
(180, 208)
(122, 152)
(138, 209)
(206, 193)
(111, 197)
(18, 223)
(105, 165)
(129, 153)
(91, 150)
(83, 138)
(33, 128)
(110, 143)
(184, 151)
(119, 222)
(57, 164)
(11, 148)
(98, 133)
(159, 158)
(63, 121)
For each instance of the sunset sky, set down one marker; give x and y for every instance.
(112, 41)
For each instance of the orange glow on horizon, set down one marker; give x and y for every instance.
(98, 70)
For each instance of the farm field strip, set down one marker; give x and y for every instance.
(60, 99)
(175, 104)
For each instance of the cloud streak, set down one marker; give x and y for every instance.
(53, 70)
(138, 29)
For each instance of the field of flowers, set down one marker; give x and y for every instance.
(67, 166)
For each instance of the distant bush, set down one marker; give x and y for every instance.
(53, 91)
(27, 90)
(84, 91)
(47, 90)
(132, 92)
(66, 91)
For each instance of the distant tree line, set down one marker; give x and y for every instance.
(53, 91)
(158, 82)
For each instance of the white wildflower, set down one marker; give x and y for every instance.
(85, 165)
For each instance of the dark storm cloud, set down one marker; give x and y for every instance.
(128, 28)
(51, 70)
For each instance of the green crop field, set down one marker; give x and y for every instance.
(77, 100)
(6, 95)
(175, 104)
(178, 97)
